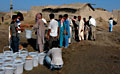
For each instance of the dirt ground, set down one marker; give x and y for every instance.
(87, 57)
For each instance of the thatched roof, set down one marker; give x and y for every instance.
(76, 6)
(72, 6)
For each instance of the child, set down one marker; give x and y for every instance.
(14, 35)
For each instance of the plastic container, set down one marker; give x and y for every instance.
(2, 71)
(41, 57)
(28, 63)
(35, 58)
(7, 51)
(28, 34)
(16, 54)
(9, 68)
(23, 54)
(19, 67)
(9, 57)
(19, 62)
(2, 55)
(8, 61)
(1, 65)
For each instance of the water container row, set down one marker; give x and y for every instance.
(16, 63)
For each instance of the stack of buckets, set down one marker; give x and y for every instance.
(16, 63)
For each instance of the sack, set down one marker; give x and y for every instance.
(114, 22)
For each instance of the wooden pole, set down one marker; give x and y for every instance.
(11, 8)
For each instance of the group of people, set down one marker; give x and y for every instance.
(16, 28)
(84, 29)
(65, 29)
(60, 34)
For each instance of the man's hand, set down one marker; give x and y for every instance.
(22, 30)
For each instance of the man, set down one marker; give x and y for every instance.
(66, 30)
(61, 30)
(2, 18)
(44, 20)
(75, 23)
(55, 61)
(81, 28)
(52, 31)
(71, 26)
(14, 34)
(40, 29)
(92, 24)
(110, 24)
(86, 29)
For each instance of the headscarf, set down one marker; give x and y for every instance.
(38, 16)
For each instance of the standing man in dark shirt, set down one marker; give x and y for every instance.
(76, 23)
(86, 29)
(14, 34)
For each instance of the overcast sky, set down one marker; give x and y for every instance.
(26, 4)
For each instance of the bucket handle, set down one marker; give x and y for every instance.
(7, 47)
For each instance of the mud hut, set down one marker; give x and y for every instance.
(71, 9)
(75, 9)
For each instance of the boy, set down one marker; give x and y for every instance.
(14, 34)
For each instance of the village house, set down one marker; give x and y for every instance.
(75, 9)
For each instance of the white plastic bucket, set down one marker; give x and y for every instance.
(28, 34)
(33, 53)
(9, 68)
(2, 55)
(18, 62)
(19, 67)
(8, 61)
(35, 58)
(19, 59)
(1, 60)
(23, 54)
(8, 53)
(1, 65)
(28, 64)
(16, 54)
(41, 57)
(7, 50)
(2, 71)
(9, 57)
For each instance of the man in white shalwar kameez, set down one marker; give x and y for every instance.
(71, 25)
(81, 28)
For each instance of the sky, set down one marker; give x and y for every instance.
(25, 5)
